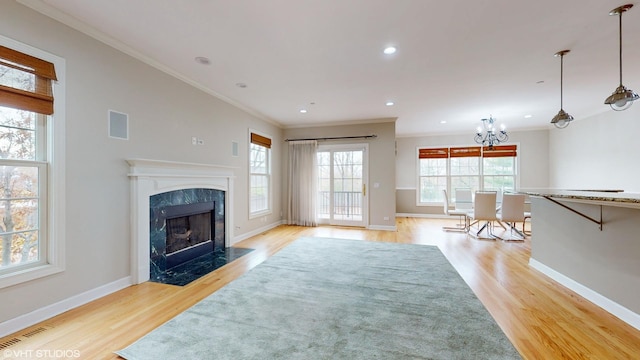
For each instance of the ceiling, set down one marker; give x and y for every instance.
(457, 61)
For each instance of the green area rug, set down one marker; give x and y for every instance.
(322, 298)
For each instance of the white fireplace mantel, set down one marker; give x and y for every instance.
(151, 177)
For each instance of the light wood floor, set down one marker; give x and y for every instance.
(541, 318)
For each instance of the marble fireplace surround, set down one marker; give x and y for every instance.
(151, 177)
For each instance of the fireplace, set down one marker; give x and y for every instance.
(184, 225)
(188, 232)
(156, 187)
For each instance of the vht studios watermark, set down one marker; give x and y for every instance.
(41, 354)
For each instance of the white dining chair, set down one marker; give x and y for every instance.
(461, 213)
(512, 212)
(464, 198)
(483, 214)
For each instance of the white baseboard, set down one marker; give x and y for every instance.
(382, 227)
(255, 232)
(428, 216)
(21, 322)
(607, 304)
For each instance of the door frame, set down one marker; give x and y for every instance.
(365, 181)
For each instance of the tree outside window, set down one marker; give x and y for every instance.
(19, 182)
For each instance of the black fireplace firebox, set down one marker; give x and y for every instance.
(184, 225)
(189, 232)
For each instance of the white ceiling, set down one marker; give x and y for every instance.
(457, 61)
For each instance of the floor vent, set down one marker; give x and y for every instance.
(35, 332)
(9, 342)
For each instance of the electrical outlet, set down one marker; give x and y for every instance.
(386, 218)
(194, 140)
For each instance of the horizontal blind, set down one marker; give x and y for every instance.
(36, 97)
(469, 151)
(260, 140)
(435, 153)
(500, 151)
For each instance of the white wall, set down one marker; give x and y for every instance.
(381, 163)
(164, 114)
(533, 149)
(600, 152)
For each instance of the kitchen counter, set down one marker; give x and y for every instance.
(599, 197)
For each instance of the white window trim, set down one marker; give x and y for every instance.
(53, 223)
(448, 176)
(269, 210)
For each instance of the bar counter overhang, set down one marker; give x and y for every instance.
(589, 241)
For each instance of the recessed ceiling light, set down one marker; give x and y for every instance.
(303, 111)
(528, 116)
(443, 121)
(203, 60)
(390, 103)
(390, 50)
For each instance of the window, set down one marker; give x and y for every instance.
(432, 173)
(29, 246)
(499, 167)
(464, 168)
(259, 175)
(472, 167)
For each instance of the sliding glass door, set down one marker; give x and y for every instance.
(342, 185)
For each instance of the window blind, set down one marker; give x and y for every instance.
(26, 82)
(469, 151)
(260, 140)
(439, 153)
(500, 151)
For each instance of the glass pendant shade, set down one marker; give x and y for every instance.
(561, 120)
(621, 99)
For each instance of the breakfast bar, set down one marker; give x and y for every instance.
(589, 241)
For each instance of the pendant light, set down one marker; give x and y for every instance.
(562, 119)
(622, 98)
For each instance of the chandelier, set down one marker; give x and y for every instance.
(492, 136)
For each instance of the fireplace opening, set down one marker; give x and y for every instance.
(189, 232)
(187, 235)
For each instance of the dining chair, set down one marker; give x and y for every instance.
(484, 211)
(527, 217)
(461, 213)
(464, 199)
(512, 212)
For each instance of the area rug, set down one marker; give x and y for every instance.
(322, 298)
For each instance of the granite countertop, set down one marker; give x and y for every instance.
(600, 196)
